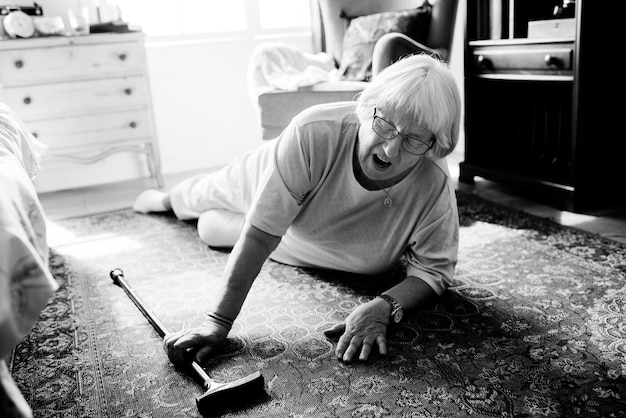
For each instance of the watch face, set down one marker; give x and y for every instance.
(18, 24)
(398, 315)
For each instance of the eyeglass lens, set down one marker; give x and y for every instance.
(387, 130)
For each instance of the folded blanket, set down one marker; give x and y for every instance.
(279, 66)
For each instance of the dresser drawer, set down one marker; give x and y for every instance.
(540, 59)
(105, 128)
(77, 98)
(73, 62)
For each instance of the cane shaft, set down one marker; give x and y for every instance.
(118, 277)
(147, 312)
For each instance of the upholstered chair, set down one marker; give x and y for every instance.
(332, 21)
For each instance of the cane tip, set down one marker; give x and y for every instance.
(116, 273)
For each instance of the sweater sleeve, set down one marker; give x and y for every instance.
(432, 252)
(284, 185)
(304, 155)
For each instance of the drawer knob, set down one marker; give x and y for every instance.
(128, 91)
(483, 61)
(19, 64)
(122, 57)
(133, 124)
(551, 61)
(27, 100)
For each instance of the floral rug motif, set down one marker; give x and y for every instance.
(534, 326)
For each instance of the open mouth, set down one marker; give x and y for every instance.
(381, 162)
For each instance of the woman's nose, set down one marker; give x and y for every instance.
(392, 146)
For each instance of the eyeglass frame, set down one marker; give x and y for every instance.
(405, 138)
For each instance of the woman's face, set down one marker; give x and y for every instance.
(383, 159)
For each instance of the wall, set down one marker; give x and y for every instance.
(204, 116)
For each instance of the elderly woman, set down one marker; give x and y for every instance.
(349, 186)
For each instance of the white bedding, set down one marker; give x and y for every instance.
(280, 66)
(26, 283)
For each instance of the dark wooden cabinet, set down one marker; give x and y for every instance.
(542, 112)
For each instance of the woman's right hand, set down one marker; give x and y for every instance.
(197, 344)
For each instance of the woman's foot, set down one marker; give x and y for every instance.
(152, 201)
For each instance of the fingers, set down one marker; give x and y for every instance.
(177, 346)
(204, 354)
(353, 346)
(366, 349)
(381, 341)
(346, 347)
(194, 344)
(343, 345)
(335, 330)
(357, 347)
(358, 341)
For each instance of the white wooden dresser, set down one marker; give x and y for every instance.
(86, 97)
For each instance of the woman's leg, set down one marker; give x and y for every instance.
(231, 188)
(220, 227)
(193, 196)
(216, 227)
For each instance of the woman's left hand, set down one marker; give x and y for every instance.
(365, 326)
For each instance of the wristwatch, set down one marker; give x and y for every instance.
(397, 310)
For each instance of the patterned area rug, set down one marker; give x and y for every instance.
(535, 326)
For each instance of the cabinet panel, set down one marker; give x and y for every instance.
(506, 19)
(523, 128)
(539, 58)
(45, 101)
(91, 130)
(42, 65)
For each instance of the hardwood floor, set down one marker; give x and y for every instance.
(70, 203)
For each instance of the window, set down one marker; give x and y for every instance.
(161, 18)
(276, 14)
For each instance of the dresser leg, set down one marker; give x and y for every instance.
(154, 164)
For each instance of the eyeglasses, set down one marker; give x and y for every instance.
(410, 143)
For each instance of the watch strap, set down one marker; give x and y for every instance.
(396, 307)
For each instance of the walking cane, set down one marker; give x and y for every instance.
(218, 395)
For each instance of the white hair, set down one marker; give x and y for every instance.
(418, 90)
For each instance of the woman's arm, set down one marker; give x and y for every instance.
(412, 293)
(243, 266)
(245, 261)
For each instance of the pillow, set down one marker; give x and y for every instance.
(364, 31)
